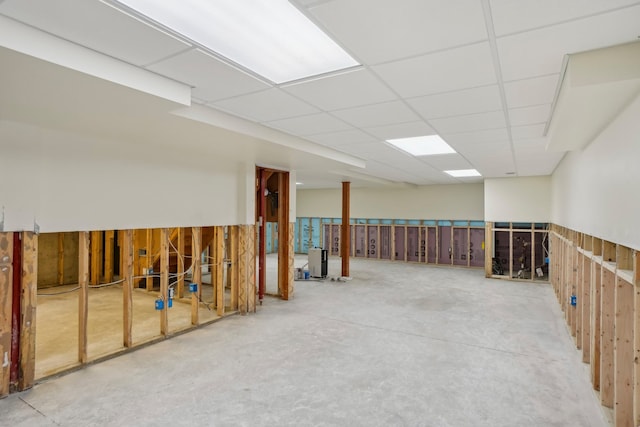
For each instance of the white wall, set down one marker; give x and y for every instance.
(596, 190)
(67, 182)
(521, 199)
(454, 202)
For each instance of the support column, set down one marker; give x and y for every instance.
(345, 235)
(284, 236)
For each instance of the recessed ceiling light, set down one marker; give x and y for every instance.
(299, 183)
(428, 145)
(509, 173)
(271, 38)
(461, 173)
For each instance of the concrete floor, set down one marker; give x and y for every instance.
(399, 345)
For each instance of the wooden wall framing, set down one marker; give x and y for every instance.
(604, 277)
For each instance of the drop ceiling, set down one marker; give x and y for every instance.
(483, 74)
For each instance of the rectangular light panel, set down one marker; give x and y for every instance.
(428, 145)
(462, 173)
(271, 38)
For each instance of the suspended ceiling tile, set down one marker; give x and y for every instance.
(341, 91)
(387, 30)
(468, 101)
(335, 139)
(205, 73)
(444, 162)
(483, 149)
(471, 122)
(402, 130)
(538, 144)
(377, 114)
(529, 92)
(450, 70)
(529, 115)
(97, 26)
(542, 51)
(310, 125)
(532, 161)
(511, 16)
(480, 136)
(529, 131)
(271, 104)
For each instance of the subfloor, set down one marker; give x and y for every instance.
(398, 345)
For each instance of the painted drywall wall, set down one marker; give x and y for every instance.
(454, 202)
(520, 199)
(595, 191)
(63, 181)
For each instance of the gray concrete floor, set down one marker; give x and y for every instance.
(399, 345)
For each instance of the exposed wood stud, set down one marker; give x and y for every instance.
(95, 257)
(607, 338)
(196, 253)
(623, 354)
(586, 308)
(60, 258)
(126, 269)
(149, 260)
(180, 258)
(164, 281)
(251, 269)
(218, 269)
(233, 243)
(29, 287)
(83, 295)
(636, 333)
(596, 323)
(108, 255)
(6, 299)
(243, 240)
(285, 247)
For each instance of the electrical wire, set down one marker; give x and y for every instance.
(59, 293)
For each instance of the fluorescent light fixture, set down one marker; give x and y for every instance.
(271, 38)
(461, 173)
(428, 145)
(299, 183)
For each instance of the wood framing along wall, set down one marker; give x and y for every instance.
(597, 282)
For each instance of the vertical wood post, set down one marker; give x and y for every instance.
(126, 273)
(29, 287)
(181, 262)
(251, 269)
(83, 295)
(164, 280)
(196, 275)
(60, 258)
(607, 338)
(345, 240)
(596, 310)
(262, 234)
(243, 242)
(6, 307)
(218, 262)
(109, 237)
(95, 257)
(235, 260)
(149, 259)
(636, 337)
(284, 237)
(488, 249)
(623, 353)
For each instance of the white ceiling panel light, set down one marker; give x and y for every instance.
(427, 145)
(273, 39)
(463, 173)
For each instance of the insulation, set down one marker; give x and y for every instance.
(432, 253)
(360, 240)
(399, 242)
(476, 247)
(460, 246)
(444, 240)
